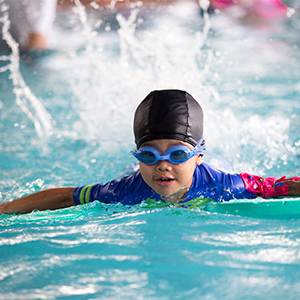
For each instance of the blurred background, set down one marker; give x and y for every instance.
(73, 72)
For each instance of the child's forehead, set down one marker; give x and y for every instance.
(166, 143)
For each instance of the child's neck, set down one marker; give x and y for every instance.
(177, 196)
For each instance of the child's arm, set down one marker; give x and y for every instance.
(47, 199)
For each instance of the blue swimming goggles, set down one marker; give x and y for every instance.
(175, 155)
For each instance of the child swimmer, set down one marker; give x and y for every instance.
(168, 129)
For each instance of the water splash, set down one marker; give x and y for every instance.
(142, 60)
(204, 4)
(290, 12)
(25, 98)
(128, 40)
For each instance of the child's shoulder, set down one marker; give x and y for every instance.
(209, 174)
(132, 180)
(209, 169)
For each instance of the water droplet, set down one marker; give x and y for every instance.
(290, 12)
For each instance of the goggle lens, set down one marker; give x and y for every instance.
(147, 157)
(179, 155)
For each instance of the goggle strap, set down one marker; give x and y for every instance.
(221, 159)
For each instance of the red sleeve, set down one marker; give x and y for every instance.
(266, 187)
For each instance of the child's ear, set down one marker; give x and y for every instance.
(199, 160)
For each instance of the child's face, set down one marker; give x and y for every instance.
(164, 177)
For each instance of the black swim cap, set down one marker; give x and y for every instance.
(168, 114)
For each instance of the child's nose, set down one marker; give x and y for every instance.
(163, 165)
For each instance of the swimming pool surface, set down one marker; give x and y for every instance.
(82, 96)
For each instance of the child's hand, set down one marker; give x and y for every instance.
(294, 187)
(2, 208)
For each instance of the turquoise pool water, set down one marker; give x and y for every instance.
(82, 96)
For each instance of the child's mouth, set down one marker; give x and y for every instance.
(164, 181)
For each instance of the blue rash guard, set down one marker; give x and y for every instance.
(208, 182)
